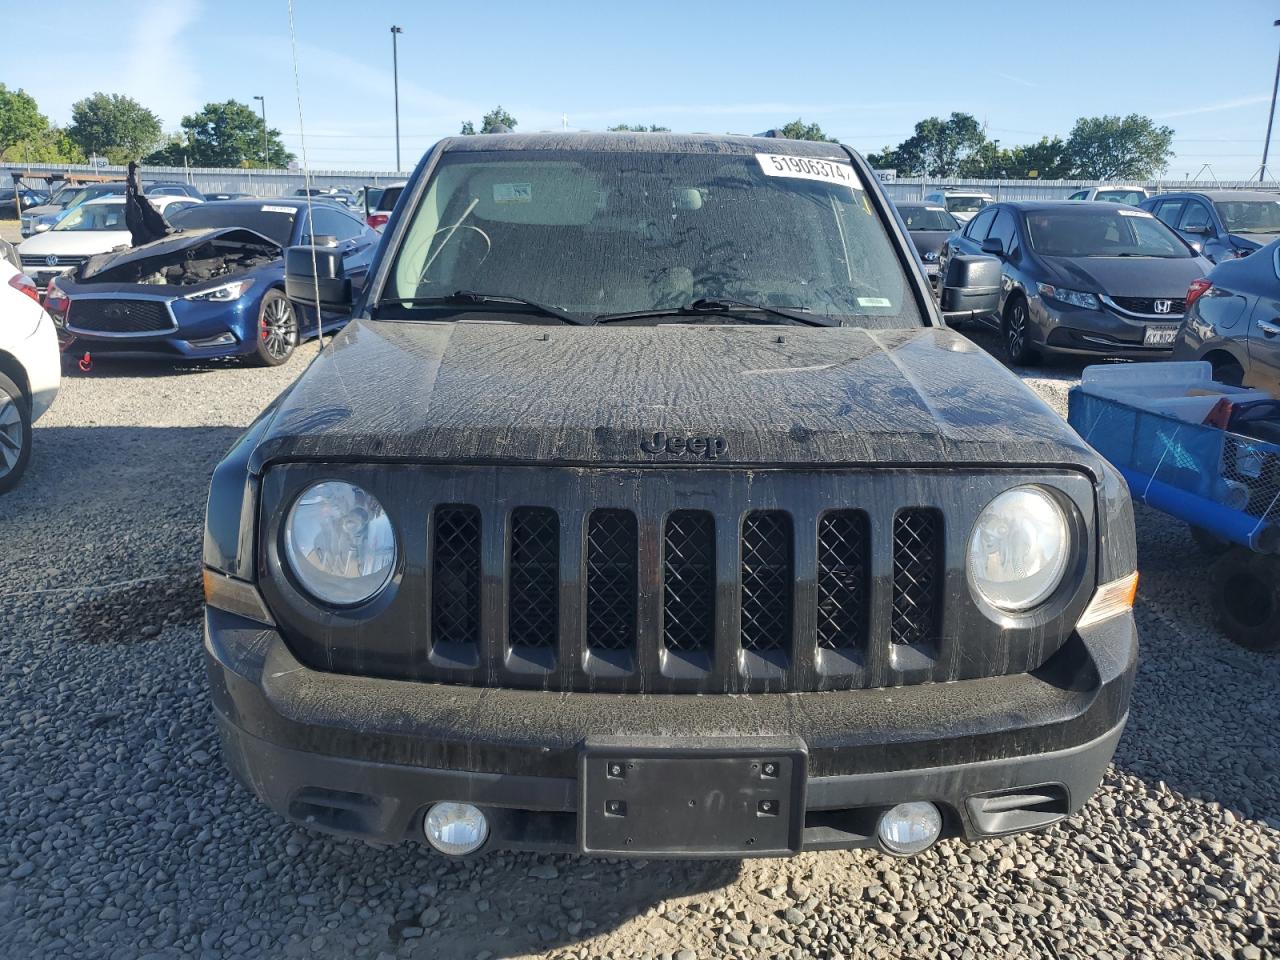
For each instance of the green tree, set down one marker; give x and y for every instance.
(20, 118)
(797, 129)
(50, 145)
(1119, 148)
(938, 148)
(223, 135)
(1047, 158)
(639, 128)
(493, 122)
(115, 126)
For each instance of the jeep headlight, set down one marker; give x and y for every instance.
(1019, 549)
(339, 543)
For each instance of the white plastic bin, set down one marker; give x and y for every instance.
(1185, 389)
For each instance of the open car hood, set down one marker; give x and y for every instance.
(168, 248)
(757, 395)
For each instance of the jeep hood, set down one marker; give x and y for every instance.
(488, 391)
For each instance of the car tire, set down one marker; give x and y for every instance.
(1014, 334)
(1228, 372)
(277, 330)
(1246, 598)
(15, 434)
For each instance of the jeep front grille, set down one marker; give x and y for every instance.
(651, 580)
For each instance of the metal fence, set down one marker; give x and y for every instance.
(276, 183)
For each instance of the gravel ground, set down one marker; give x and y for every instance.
(123, 836)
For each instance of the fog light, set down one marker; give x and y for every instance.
(909, 828)
(455, 828)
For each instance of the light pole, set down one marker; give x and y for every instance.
(265, 153)
(1266, 146)
(395, 80)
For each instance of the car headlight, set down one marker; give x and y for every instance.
(929, 256)
(224, 293)
(1019, 549)
(1075, 298)
(339, 543)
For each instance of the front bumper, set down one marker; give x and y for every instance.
(366, 757)
(1058, 329)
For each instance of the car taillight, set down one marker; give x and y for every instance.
(376, 220)
(56, 302)
(1197, 290)
(24, 284)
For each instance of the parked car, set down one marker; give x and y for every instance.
(384, 205)
(1233, 321)
(367, 199)
(215, 288)
(16, 200)
(1113, 193)
(929, 225)
(30, 369)
(342, 195)
(93, 227)
(38, 219)
(1222, 223)
(961, 204)
(1082, 278)
(649, 508)
(226, 196)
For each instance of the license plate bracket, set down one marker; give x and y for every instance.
(693, 799)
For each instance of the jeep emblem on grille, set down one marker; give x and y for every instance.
(1162, 306)
(710, 448)
(51, 260)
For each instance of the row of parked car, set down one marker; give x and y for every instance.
(1118, 279)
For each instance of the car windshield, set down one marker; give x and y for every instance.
(1133, 197)
(1102, 233)
(94, 216)
(274, 220)
(597, 233)
(968, 204)
(1250, 216)
(387, 202)
(927, 218)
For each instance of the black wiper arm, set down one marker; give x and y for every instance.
(708, 305)
(462, 297)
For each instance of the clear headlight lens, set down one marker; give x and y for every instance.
(1086, 301)
(339, 543)
(1019, 549)
(223, 293)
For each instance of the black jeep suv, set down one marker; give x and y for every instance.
(648, 507)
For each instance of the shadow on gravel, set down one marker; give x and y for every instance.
(107, 366)
(137, 611)
(1204, 718)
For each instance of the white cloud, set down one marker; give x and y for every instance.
(1216, 107)
(157, 68)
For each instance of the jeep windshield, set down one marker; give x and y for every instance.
(599, 234)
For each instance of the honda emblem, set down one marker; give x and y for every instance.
(1162, 306)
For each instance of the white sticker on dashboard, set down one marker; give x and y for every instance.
(808, 168)
(270, 208)
(1133, 213)
(873, 302)
(513, 193)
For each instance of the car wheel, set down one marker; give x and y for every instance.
(1246, 598)
(277, 330)
(15, 434)
(1228, 372)
(1015, 329)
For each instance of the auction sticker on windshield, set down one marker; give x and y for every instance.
(808, 168)
(269, 208)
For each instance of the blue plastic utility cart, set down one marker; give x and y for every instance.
(1148, 420)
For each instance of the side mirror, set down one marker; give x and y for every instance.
(41, 227)
(971, 287)
(316, 272)
(1202, 231)
(993, 245)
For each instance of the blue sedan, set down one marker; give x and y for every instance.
(215, 288)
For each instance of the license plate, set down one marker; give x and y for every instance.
(645, 799)
(1160, 336)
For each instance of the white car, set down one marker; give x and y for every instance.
(96, 226)
(30, 369)
(1113, 193)
(961, 204)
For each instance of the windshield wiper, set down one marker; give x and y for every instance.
(712, 305)
(463, 297)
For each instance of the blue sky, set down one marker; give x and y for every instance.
(866, 73)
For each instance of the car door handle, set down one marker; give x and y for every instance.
(1269, 329)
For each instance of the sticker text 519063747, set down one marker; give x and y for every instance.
(808, 168)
